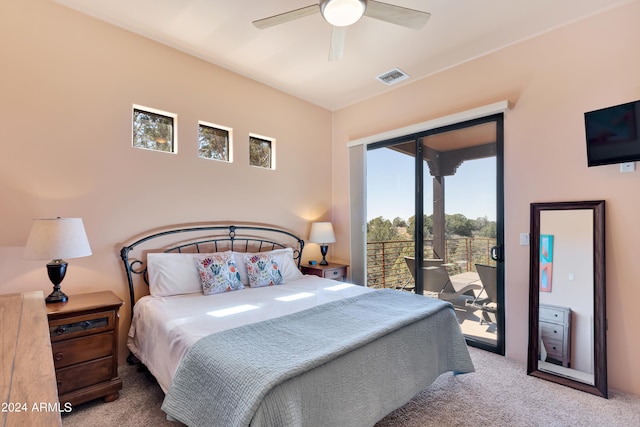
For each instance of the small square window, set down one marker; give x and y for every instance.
(154, 130)
(214, 142)
(261, 152)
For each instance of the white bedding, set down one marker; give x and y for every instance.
(164, 328)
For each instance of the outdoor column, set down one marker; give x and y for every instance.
(438, 217)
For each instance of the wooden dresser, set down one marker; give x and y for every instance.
(555, 333)
(84, 340)
(27, 377)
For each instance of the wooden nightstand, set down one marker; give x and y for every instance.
(84, 341)
(331, 271)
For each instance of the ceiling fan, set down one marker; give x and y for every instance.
(342, 13)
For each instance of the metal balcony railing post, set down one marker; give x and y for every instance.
(384, 270)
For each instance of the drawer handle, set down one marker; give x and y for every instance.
(335, 273)
(85, 324)
(61, 330)
(59, 383)
(58, 356)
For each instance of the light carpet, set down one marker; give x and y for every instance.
(498, 394)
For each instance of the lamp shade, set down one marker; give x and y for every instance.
(57, 238)
(342, 12)
(322, 232)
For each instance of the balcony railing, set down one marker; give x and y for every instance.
(386, 267)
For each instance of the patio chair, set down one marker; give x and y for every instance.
(437, 283)
(409, 285)
(488, 304)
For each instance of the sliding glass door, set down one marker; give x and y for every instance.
(434, 200)
(390, 208)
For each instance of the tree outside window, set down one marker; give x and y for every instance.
(153, 130)
(214, 142)
(261, 152)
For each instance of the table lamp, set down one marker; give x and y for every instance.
(322, 233)
(54, 239)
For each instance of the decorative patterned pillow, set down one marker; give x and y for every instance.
(288, 267)
(263, 270)
(218, 273)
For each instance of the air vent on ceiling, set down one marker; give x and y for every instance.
(394, 76)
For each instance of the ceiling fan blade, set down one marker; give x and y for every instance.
(286, 17)
(338, 39)
(398, 15)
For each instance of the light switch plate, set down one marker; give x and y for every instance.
(524, 239)
(628, 167)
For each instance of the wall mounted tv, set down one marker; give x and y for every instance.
(613, 134)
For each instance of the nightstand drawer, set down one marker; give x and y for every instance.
(336, 273)
(331, 271)
(82, 349)
(77, 326)
(551, 314)
(83, 375)
(552, 331)
(554, 349)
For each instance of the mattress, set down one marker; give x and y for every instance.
(164, 328)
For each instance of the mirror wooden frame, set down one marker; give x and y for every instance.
(599, 387)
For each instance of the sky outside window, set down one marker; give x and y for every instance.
(390, 187)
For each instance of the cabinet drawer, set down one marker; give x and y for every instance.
(79, 376)
(550, 314)
(335, 273)
(77, 326)
(84, 349)
(552, 331)
(554, 349)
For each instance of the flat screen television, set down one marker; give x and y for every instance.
(613, 134)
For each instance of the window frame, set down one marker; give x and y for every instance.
(272, 150)
(229, 142)
(155, 145)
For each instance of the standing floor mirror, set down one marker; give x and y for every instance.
(567, 316)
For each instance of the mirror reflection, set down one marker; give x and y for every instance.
(566, 294)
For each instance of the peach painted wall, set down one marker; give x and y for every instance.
(552, 79)
(67, 85)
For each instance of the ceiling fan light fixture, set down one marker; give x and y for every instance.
(342, 13)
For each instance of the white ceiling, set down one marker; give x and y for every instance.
(292, 57)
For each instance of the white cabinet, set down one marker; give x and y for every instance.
(555, 333)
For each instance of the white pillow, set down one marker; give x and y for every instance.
(173, 274)
(288, 266)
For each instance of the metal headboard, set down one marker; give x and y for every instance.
(208, 239)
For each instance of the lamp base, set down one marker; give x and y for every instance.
(56, 296)
(56, 270)
(323, 250)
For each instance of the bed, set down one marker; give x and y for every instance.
(236, 335)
